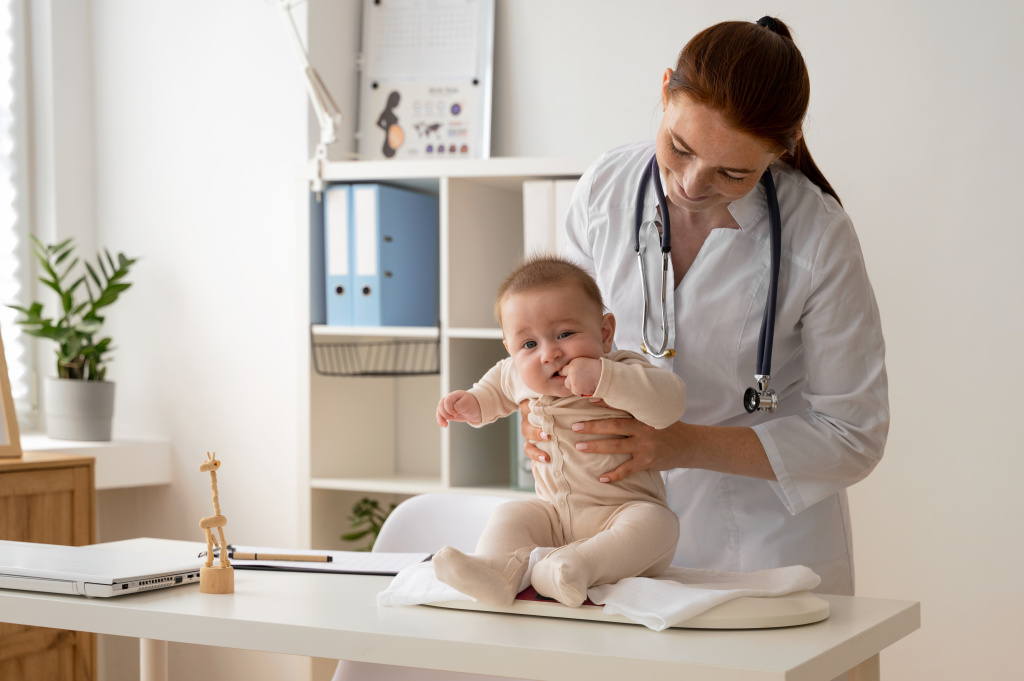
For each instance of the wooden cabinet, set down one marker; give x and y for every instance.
(47, 498)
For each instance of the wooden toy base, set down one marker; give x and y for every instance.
(217, 580)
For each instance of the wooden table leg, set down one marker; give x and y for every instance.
(152, 660)
(868, 670)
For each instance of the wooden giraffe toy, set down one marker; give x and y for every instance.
(215, 579)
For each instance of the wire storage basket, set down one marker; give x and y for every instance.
(392, 357)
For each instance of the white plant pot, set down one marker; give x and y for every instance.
(78, 410)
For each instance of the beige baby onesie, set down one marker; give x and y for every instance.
(605, 531)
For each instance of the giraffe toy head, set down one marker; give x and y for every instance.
(211, 463)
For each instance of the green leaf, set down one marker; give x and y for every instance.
(67, 270)
(61, 246)
(355, 536)
(92, 273)
(52, 285)
(88, 327)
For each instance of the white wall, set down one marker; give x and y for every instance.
(200, 139)
(200, 132)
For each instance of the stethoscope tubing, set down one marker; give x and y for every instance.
(765, 341)
(767, 334)
(652, 170)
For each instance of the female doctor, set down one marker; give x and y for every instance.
(760, 490)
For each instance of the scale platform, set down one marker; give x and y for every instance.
(790, 610)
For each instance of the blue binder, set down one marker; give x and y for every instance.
(394, 256)
(337, 258)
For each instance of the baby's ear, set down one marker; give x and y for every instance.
(607, 332)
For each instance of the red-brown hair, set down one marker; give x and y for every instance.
(754, 75)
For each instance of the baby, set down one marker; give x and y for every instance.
(559, 340)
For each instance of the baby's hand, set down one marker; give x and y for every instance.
(582, 376)
(458, 406)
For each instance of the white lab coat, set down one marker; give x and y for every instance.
(827, 365)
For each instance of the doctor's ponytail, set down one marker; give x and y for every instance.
(754, 75)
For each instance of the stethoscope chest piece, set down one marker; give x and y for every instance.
(761, 398)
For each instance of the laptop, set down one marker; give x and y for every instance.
(90, 571)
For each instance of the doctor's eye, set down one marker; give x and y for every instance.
(680, 152)
(731, 178)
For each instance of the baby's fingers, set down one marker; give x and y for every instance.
(442, 419)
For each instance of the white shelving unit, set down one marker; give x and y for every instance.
(379, 435)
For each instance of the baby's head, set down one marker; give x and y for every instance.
(551, 313)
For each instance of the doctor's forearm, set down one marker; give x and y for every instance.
(726, 449)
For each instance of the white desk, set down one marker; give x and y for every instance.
(336, 616)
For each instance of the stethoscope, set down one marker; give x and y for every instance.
(761, 398)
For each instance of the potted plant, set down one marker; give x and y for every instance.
(367, 518)
(79, 403)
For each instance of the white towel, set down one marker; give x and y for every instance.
(657, 603)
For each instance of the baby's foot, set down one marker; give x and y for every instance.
(473, 576)
(563, 580)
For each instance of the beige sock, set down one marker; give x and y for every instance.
(494, 581)
(563, 578)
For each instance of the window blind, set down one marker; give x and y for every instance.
(14, 253)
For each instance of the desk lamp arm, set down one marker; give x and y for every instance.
(328, 115)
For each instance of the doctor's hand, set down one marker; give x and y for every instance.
(735, 450)
(532, 434)
(651, 449)
(458, 406)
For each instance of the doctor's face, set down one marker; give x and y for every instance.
(705, 163)
(546, 328)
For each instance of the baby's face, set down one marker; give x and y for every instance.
(546, 328)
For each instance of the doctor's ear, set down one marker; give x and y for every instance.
(607, 332)
(665, 78)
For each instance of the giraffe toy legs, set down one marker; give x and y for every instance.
(223, 549)
(209, 547)
(215, 579)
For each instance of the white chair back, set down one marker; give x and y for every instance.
(423, 524)
(427, 522)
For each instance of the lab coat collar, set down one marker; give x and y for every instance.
(751, 211)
